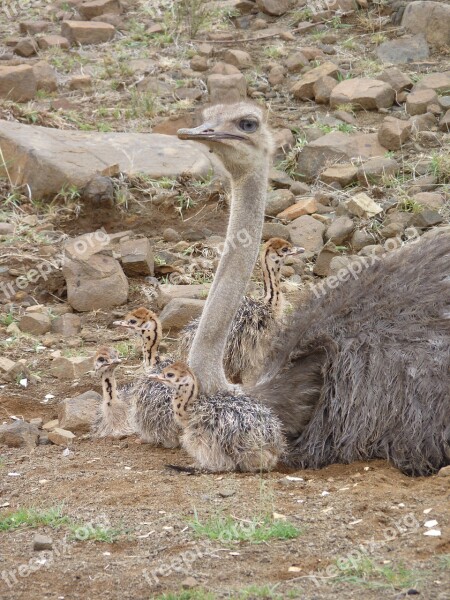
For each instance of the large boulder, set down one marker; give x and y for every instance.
(334, 147)
(47, 160)
(430, 18)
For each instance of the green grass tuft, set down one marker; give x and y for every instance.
(31, 517)
(254, 530)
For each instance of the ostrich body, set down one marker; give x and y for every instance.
(223, 432)
(361, 373)
(113, 418)
(256, 321)
(152, 415)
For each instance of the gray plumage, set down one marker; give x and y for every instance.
(251, 331)
(228, 432)
(152, 410)
(363, 371)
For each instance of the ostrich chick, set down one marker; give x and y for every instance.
(223, 432)
(256, 321)
(152, 414)
(113, 418)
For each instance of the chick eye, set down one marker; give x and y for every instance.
(284, 250)
(133, 321)
(170, 375)
(248, 125)
(101, 359)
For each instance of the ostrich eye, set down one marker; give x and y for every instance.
(284, 250)
(248, 125)
(132, 321)
(100, 359)
(170, 375)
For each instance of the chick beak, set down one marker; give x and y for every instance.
(206, 132)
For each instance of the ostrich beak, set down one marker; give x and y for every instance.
(206, 132)
(161, 379)
(124, 324)
(116, 361)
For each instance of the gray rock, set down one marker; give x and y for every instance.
(278, 200)
(324, 258)
(396, 79)
(69, 368)
(304, 89)
(137, 257)
(339, 230)
(274, 8)
(19, 434)
(54, 158)
(430, 18)
(77, 414)
(96, 283)
(95, 8)
(42, 542)
(393, 133)
(67, 325)
(403, 50)
(439, 82)
(61, 437)
(271, 230)
(307, 233)
(418, 101)
(6, 228)
(334, 147)
(171, 235)
(99, 192)
(35, 323)
(444, 123)
(83, 32)
(180, 311)
(360, 239)
(377, 170)
(17, 83)
(227, 88)
(363, 94)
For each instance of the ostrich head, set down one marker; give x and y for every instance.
(106, 360)
(176, 376)
(139, 319)
(237, 133)
(277, 250)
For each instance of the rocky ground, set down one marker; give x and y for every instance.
(358, 94)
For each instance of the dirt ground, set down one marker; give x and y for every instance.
(127, 520)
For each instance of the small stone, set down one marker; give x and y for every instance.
(323, 88)
(444, 471)
(45, 76)
(61, 437)
(95, 8)
(87, 32)
(26, 48)
(296, 62)
(377, 171)
(439, 82)
(307, 233)
(278, 200)
(342, 174)
(432, 200)
(275, 8)
(417, 102)
(271, 230)
(68, 368)
(393, 133)
(227, 88)
(180, 311)
(361, 205)
(444, 123)
(6, 228)
(360, 239)
(171, 235)
(396, 79)
(35, 323)
(78, 413)
(137, 257)
(427, 218)
(339, 230)
(323, 261)
(304, 89)
(80, 82)
(403, 50)
(53, 41)
(277, 75)
(238, 58)
(189, 583)
(363, 94)
(19, 434)
(422, 122)
(33, 27)
(50, 425)
(305, 206)
(99, 192)
(199, 63)
(17, 83)
(42, 542)
(67, 325)
(299, 188)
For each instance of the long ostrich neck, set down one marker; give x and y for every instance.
(150, 344)
(231, 280)
(109, 386)
(182, 399)
(271, 273)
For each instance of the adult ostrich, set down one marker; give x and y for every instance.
(361, 373)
